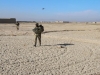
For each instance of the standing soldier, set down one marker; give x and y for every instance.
(37, 30)
(17, 25)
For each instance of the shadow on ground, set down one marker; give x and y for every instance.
(61, 31)
(65, 44)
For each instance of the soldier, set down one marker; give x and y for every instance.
(37, 30)
(17, 25)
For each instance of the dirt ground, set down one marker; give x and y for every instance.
(67, 49)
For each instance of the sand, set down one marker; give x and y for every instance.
(67, 49)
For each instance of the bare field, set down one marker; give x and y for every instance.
(67, 49)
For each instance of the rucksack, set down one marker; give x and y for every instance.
(42, 28)
(37, 30)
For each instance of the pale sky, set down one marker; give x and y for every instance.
(61, 10)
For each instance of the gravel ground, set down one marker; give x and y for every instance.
(67, 49)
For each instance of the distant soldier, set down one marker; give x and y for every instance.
(17, 25)
(37, 30)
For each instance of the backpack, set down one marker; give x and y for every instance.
(42, 28)
(37, 30)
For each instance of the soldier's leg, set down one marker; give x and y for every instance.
(35, 40)
(39, 37)
(17, 28)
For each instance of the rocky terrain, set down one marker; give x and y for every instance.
(67, 49)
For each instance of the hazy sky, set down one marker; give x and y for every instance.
(64, 10)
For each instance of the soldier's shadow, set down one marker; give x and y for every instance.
(61, 31)
(65, 44)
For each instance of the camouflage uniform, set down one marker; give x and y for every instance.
(39, 38)
(17, 26)
(37, 31)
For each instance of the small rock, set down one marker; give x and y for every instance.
(61, 46)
